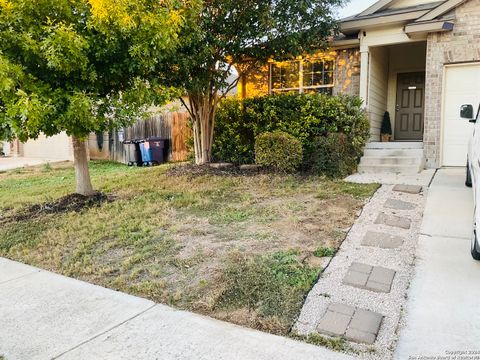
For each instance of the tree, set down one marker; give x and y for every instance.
(82, 66)
(241, 34)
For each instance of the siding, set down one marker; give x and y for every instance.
(377, 89)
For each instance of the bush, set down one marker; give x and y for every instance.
(332, 155)
(307, 117)
(278, 150)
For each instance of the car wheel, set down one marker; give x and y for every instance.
(468, 180)
(475, 246)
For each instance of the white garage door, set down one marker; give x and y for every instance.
(49, 148)
(462, 86)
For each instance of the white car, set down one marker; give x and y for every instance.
(473, 171)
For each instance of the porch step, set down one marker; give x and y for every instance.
(391, 160)
(397, 158)
(394, 152)
(394, 169)
(395, 145)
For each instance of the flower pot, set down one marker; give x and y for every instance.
(386, 137)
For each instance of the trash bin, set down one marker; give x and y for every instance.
(131, 150)
(152, 151)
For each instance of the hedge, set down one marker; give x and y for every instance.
(304, 116)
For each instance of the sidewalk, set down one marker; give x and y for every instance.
(443, 311)
(10, 163)
(48, 316)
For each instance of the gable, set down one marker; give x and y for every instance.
(408, 3)
(418, 16)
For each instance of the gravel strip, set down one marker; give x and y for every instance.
(330, 288)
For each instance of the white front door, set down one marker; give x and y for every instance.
(461, 86)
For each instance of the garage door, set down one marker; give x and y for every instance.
(462, 86)
(55, 148)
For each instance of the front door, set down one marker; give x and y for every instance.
(410, 106)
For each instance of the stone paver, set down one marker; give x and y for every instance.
(409, 189)
(382, 240)
(399, 205)
(364, 326)
(373, 278)
(394, 221)
(353, 324)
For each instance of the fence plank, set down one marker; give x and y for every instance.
(172, 127)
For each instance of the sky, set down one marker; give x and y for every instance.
(354, 7)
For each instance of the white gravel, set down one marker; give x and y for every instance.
(330, 289)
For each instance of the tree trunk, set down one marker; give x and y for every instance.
(82, 174)
(203, 110)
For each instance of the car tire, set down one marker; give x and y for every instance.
(468, 180)
(475, 246)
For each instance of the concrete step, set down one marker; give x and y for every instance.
(394, 152)
(391, 160)
(394, 169)
(395, 145)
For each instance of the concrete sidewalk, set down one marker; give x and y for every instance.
(48, 316)
(443, 311)
(10, 163)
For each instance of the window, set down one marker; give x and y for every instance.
(310, 75)
(286, 75)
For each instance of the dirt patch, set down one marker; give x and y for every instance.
(69, 203)
(192, 170)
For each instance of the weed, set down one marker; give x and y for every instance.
(325, 252)
(336, 344)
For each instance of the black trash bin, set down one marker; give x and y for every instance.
(152, 150)
(131, 150)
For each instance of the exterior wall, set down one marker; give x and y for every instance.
(58, 147)
(377, 90)
(460, 45)
(346, 77)
(347, 72)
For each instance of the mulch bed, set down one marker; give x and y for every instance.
(69, 203)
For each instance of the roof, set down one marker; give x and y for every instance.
(423, 17)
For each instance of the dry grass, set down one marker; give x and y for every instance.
(239, 248)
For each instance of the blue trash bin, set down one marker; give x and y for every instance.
(151, 150)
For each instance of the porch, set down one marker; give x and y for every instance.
(395, 82)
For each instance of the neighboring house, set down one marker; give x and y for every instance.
(58, 147)
(418, 60)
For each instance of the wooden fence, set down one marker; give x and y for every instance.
(171, 126)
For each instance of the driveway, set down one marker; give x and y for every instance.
(443, 311)
(10, 163)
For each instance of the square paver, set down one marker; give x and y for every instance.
(399, 205)
(394, 221)
(365, 321)
(409, 189)
(376, 279)
(351, 323)
(382, 240)
(334, 323)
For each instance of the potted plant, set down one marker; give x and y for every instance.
(386, 129)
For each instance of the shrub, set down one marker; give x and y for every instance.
(332, 155)
(304, 116)
(278, 150)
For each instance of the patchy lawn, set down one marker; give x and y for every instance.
(246, 249)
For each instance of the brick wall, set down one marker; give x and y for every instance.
(347, 72)
(460, 45)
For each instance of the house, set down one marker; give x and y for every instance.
(417, 59)
(58, 147)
